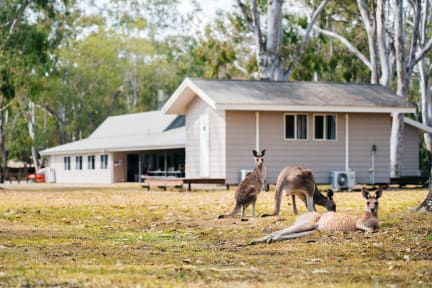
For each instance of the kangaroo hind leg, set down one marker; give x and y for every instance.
(304, 225)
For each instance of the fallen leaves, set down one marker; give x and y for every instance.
(174, 239)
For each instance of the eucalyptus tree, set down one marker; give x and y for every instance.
(392, 29)
(26, 35)
(268, 33)
(424, 74)
(114, 63)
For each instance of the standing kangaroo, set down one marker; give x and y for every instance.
(329, 222)
(249, 187)
(300, 182)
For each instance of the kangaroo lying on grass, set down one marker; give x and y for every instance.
(248, 189)
(300, 182)
(329, 222)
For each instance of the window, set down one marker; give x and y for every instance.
(296, 126)
(91, 162)
(78, 163)
(104, 161)
(325, 127)
(67, 163)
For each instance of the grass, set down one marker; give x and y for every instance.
(128, 237)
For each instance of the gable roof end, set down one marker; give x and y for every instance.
(183, 95)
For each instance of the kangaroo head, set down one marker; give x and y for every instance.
(330, 203)
(372, 200)
(259, 157)
(322, 200)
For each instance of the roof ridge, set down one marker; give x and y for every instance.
(288, 82)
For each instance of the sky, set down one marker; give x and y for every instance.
(207, 14)
(209, 7)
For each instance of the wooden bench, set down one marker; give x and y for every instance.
(190, 181)
(407, 180)
(164, 182)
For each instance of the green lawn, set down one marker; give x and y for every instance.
(128, 237)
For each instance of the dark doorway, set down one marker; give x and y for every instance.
(133, 167)
(162, 163)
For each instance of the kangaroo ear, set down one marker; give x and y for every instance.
(330, 193)
(262, 153)
(378, 193)
(254, 152)
(365, 193)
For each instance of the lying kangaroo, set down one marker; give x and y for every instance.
(329, 222)
(300, 182)
(248, 189)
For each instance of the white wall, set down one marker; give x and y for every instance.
(98, 175)
(217, 140)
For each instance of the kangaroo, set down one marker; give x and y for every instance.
(300, 182)
(329, 222)
(248, 189)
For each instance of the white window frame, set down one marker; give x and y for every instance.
(76, 163)
(325, 126)
(67, 163)
(104, 161)
(295, 127)
(89, 162)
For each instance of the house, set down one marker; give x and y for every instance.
(121, 149)
(211, 126)
(323, 126)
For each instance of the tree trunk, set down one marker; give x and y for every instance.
(270, 64)
(401, 69)
(3, 160)
(396, 144)
(426, 205)
(268, 44)
(372, 38)
(426, 103)
(31, 126)
(384, 53)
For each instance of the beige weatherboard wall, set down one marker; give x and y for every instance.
(245, 115)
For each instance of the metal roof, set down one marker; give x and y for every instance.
(134, 124)
(286, 96)
(131, 132)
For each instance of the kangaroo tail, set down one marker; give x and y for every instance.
(233, 213)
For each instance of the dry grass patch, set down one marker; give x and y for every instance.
(129, 237)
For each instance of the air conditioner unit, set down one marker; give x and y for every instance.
(342, 180)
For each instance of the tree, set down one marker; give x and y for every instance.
(424, 71)
(389, 26)
(23, 50)
(268, 42)
(110, 67)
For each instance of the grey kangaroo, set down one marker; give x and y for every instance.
(329, 222)
(248, 189)
(296, 181)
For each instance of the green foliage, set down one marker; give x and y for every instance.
(217, 57)
(6, 88)
(19, 143)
